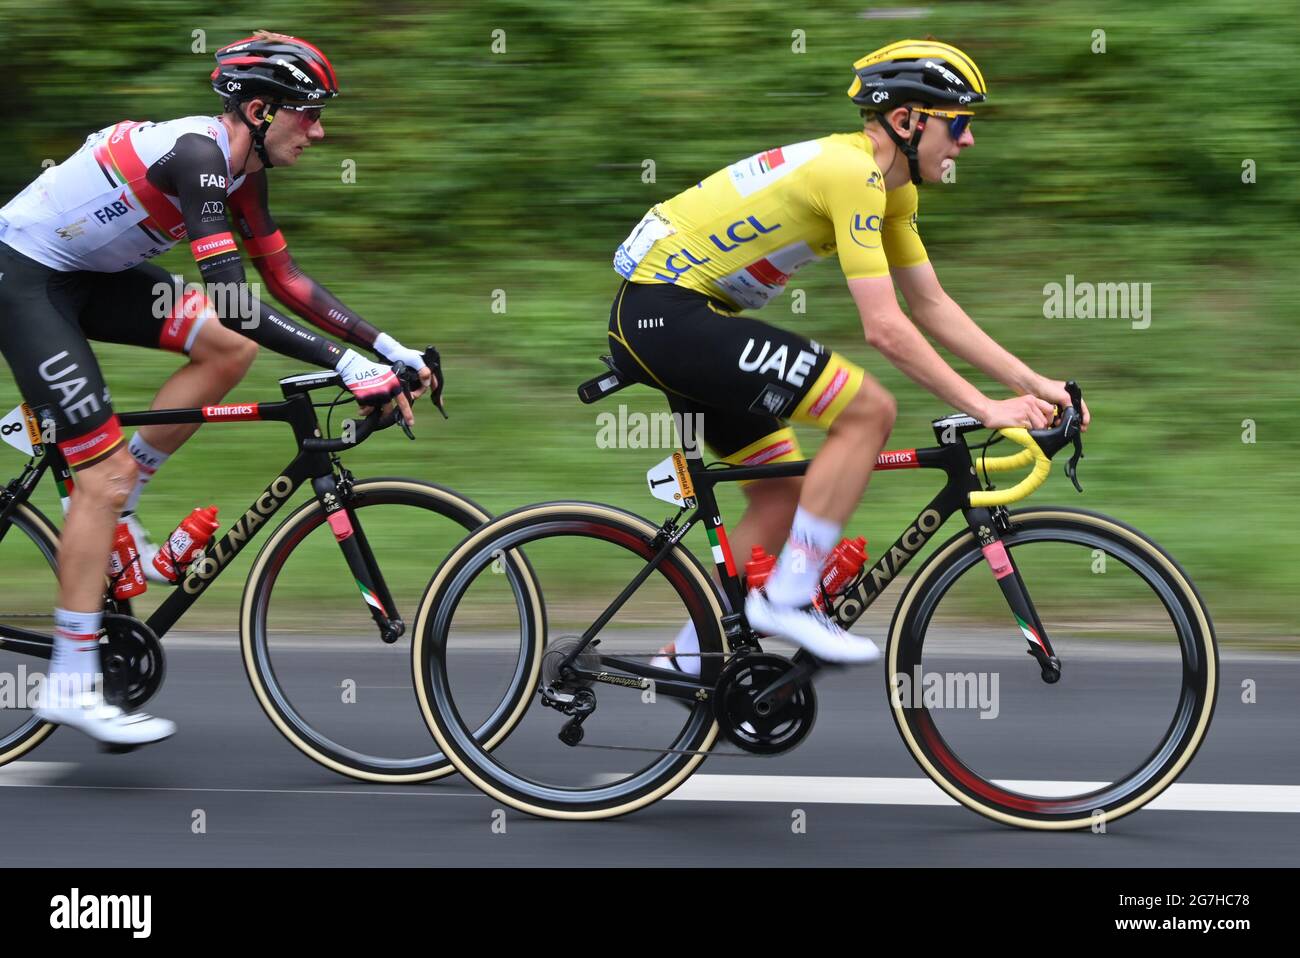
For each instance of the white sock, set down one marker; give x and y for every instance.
(798, 569)
(75, 662)
(148, 460)
(687, 646)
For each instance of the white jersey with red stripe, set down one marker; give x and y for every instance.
(96, 210)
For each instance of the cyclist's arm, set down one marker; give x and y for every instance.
(939, 315)
(287, 282)
(893, 334)
(195, 173)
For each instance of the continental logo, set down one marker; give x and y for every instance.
(204, 569)
(33, 428)
(683, 476)
(911, 542)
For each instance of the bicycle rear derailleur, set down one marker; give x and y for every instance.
(565, 692)
(765, 703)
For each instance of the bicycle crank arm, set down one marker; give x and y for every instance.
(779, 692)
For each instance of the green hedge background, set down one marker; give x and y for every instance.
(521, 170)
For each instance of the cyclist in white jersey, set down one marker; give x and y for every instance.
(75, 247)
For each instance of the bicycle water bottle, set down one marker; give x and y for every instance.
(758, 568)
(186, 541)
(124, 565)
(844, 563)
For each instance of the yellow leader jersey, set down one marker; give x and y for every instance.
(740, 234)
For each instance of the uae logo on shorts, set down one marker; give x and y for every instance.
(772, 401)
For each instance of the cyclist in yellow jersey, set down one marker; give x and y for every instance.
(732, 242)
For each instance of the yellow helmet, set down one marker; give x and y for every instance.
(916, 71)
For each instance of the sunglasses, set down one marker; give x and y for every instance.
(958, 120)
(307, 115)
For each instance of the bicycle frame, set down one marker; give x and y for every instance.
(953, 457)
(314, 463)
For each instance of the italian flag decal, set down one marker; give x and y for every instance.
(1028, 632)
(721, 548)
(371, 599)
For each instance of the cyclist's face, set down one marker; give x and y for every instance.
(938, 147)
(291, 132)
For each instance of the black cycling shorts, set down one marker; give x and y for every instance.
(744, 378)
(46, 318)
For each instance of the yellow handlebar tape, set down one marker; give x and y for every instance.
(1025, 487)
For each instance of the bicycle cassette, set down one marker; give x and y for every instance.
(765, 732)
(556, 652)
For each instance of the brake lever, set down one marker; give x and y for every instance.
(434, 361)
(400, 370)
(1076, 400)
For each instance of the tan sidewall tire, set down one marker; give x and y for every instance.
(499, 525)
(964, 541)
(248, 606)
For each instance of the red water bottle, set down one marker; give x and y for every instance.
(124, 565)
(844, 563)
(758, 568)
(186, 541)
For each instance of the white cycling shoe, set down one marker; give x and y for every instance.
(145, 546)
(809, 629)
(107, 724)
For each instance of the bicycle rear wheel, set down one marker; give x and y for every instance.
(313, 654)
(1139, 673)
(638, 742)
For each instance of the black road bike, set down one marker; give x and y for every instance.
(325, 594)
(1106, 710)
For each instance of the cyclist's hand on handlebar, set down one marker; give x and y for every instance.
(1054, 392)
(395, 352)
(373, 384)
(1028, 411)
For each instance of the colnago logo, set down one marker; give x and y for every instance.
(911, 542)
(205, 568)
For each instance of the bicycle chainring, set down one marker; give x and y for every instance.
(132, 661)
(745, 678)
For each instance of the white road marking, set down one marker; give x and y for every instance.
(801, 789)
(34, 773)
(1182, 797)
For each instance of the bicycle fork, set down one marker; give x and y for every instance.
(989, 526)
(351, 538)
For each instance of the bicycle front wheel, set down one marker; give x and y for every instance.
(1139, 672)
(29, 546)
(605, 735)
(313, 653)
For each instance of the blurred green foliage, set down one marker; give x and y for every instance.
(521, 169)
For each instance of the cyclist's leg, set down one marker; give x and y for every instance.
(146, 306)
(59, 376)
(753, 375)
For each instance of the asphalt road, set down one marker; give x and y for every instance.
(228, 790)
